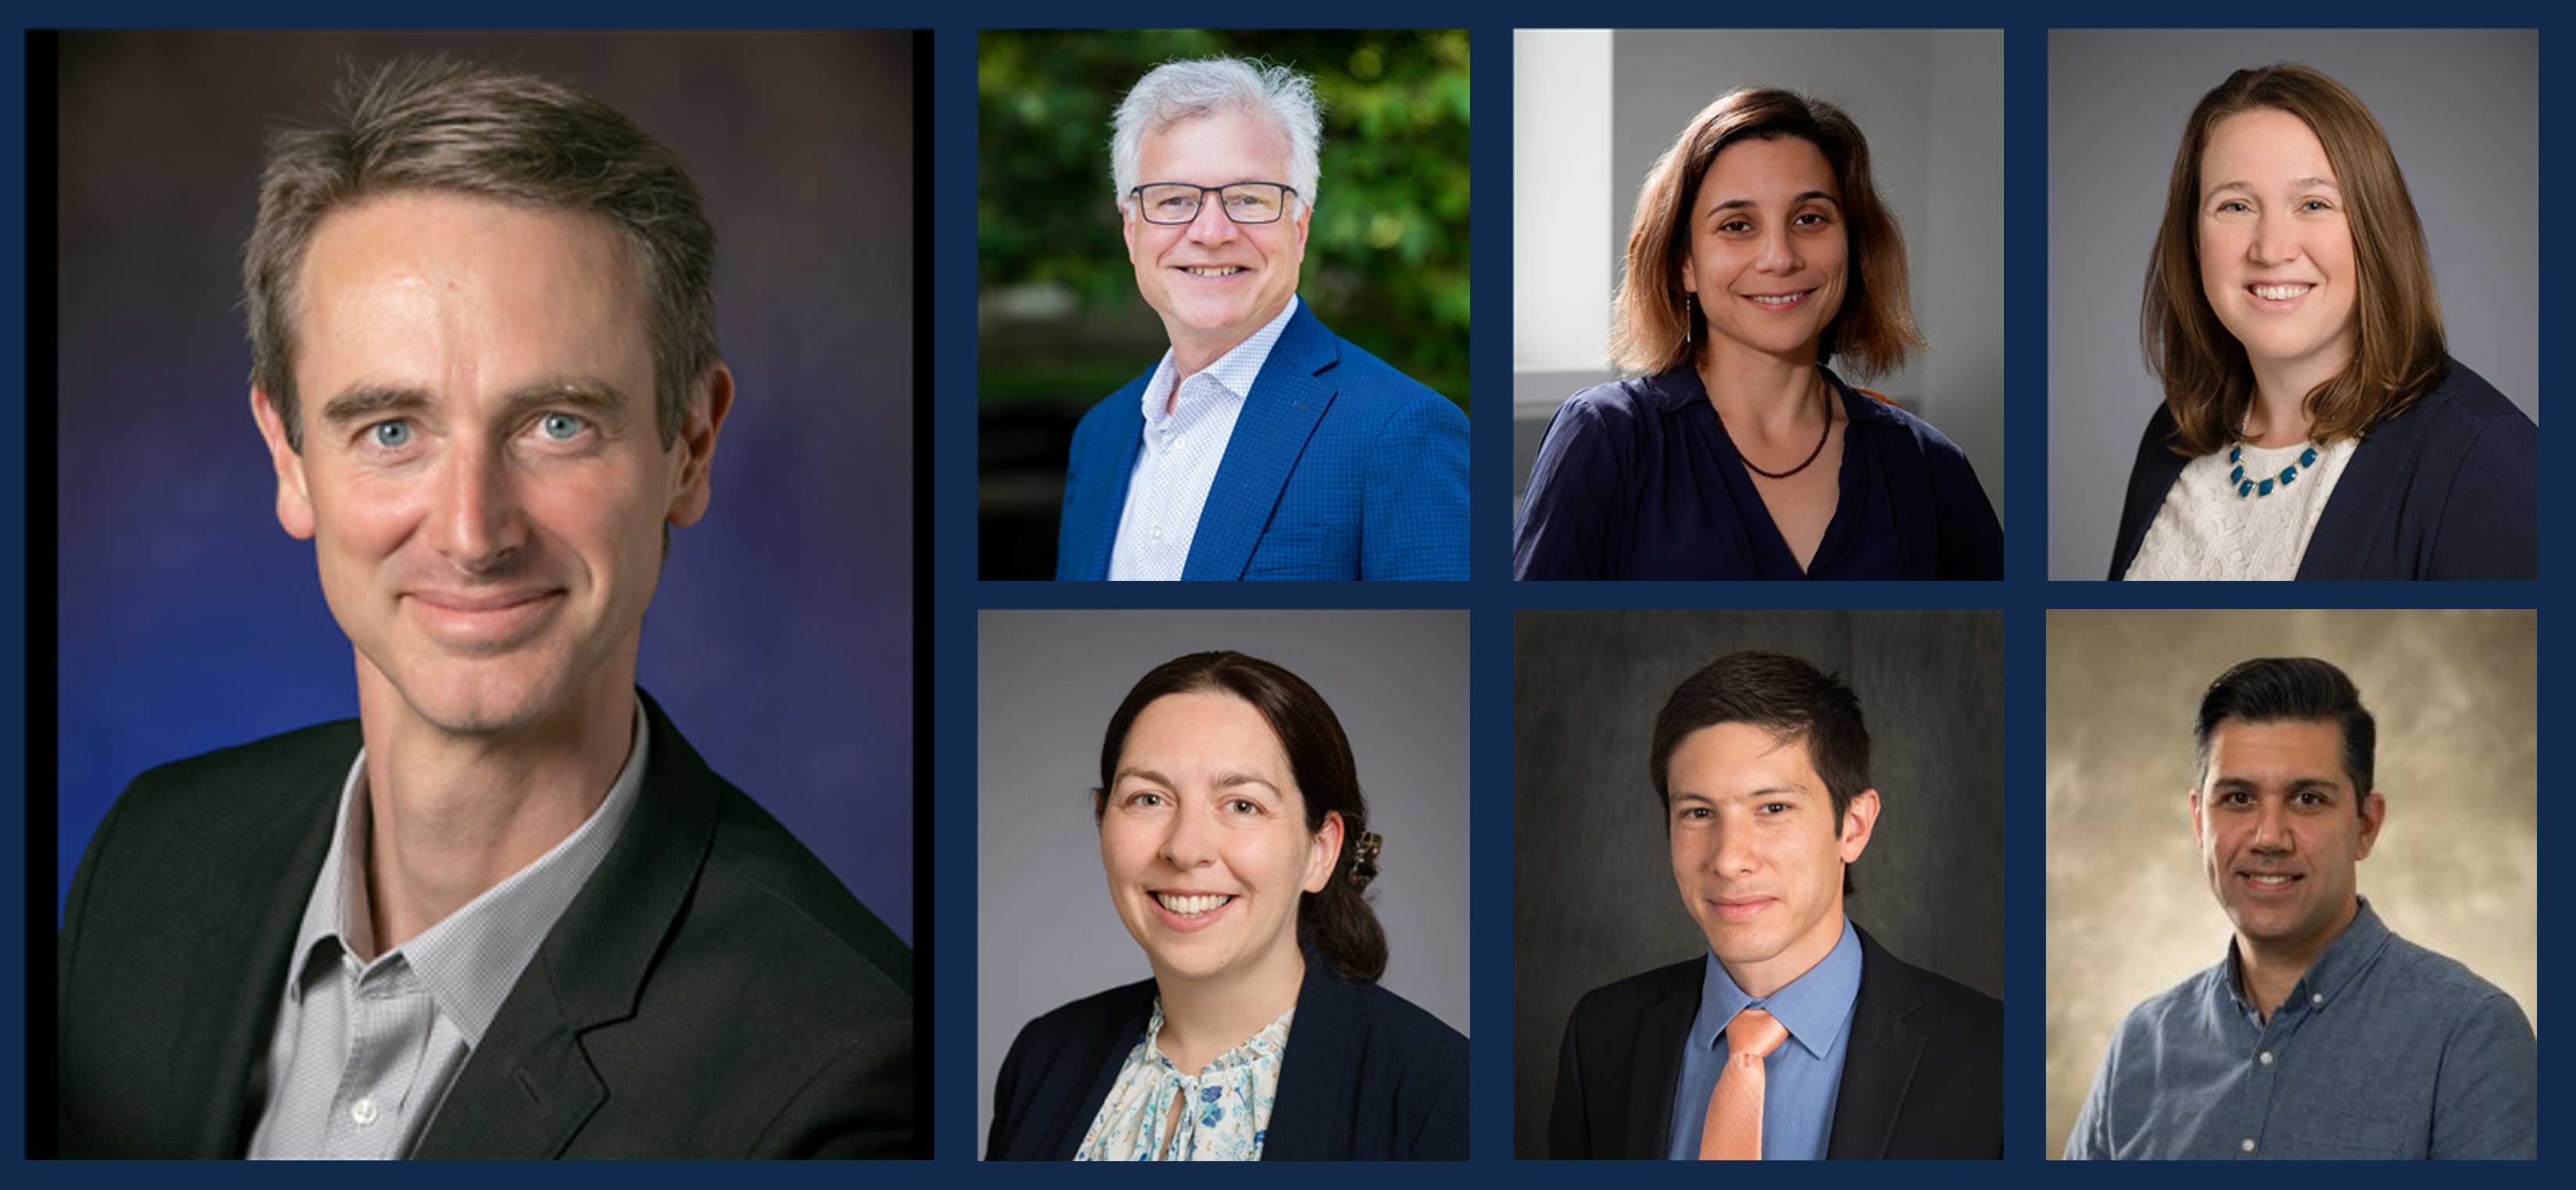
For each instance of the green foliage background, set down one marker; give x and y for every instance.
(1386, 255)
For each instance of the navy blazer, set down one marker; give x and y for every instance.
(2448, 489)
(712, 991)
(1923, 1077)
(1340, 467)
(1366, 1076)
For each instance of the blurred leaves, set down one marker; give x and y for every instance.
(1386, 258)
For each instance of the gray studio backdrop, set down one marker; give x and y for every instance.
(2130, 913)
(2461, 109)
(1046, 684)
(1593, 886)
(1931, 103)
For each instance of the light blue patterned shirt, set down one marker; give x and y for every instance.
(1801, 1077)
(1185, 441)
(1225, 1107)
(2383, 1049)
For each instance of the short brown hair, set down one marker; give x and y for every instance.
(2398, 354)
(1791, 701)
(1653, 329)
(434, 124)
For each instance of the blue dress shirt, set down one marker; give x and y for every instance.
(2383, 1049)
(1800, 1078)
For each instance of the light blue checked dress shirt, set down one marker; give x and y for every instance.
(365, 1050)
(1185, 442)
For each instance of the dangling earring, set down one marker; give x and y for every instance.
(1686, 316)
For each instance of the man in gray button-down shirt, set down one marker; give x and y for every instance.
(2321, 1034)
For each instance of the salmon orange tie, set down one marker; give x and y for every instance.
(1733, 1130)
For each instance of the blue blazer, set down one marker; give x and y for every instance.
(1340, 467)
(2448, 489)
(1923, 1074)
(1367, 1076)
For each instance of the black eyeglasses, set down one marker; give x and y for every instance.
(1243, 202)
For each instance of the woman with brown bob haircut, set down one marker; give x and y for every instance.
(1760, 249)
(2314, 426)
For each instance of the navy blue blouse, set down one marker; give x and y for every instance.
(1638, 480)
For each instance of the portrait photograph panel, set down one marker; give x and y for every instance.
(1795, 811)
(2312, 836)
(1757, 304)
(1223, 856)
(2277, 258)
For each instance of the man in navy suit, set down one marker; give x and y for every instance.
(1263, 446)
(1763, 766)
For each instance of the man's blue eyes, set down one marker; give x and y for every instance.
(391, 435)
(559, 426)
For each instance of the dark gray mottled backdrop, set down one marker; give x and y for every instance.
(1593, 885)
(781, 640)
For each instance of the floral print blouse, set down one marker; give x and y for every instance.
(1227, 1105)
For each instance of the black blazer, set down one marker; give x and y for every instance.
(1923, 1076)
(2448, 489)
(713, 991)
(1366, 1076)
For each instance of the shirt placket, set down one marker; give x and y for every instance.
(2263, 1063)
(390, 1013)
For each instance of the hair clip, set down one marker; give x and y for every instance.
(1364, 859)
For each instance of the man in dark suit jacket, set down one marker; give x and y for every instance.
(1263, 446)
(1763, 766)
(508, 911)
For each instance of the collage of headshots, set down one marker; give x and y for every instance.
(693, 435)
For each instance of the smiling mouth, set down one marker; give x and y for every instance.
(1779, 301)
(1742, 910)
(1221, 270)
(2268, 881)
(2279, 293)
(1191, 906)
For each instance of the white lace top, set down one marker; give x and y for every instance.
(1226, 1106)
(2206, 531)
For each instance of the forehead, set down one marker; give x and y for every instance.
(1729, 758)
(2264, 144)
(1216, 149)
(1203, 729)
(2275, 752)
(1767, 167)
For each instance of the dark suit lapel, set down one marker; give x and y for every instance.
(1656, 1068)
(1287, 401)
(1104, 1054)
(239, 967)
(1107, 500)
(527, 1090)
(1319, 1074)
(1880, 1064)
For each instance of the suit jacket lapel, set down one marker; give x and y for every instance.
(1319, 1075)
(1287, 401)
(1106, 500)
(1880, 1064)
(527, 1090)
(239, 968)
(1656, 1068)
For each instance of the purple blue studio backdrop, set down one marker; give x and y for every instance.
(781, 639)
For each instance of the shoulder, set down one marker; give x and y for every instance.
(2168, 1013)
(2443, 988)
(1405, 1032)
(1889, 426)
(1085, 1018)
(1121, 411)
(193, 807)
(1948, 1003)
(1369, 382)
(2465, 413)
(1630, 996)
(772, 891)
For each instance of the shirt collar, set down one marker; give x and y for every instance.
(471, 958)
(1812, 1006)
(2343, 962)
(1234, 371)
(1267, 1044)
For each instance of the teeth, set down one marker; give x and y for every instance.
(2280, 293)
(1190, 906)
(1220, 271)
(2269, 881)
(1787, 300)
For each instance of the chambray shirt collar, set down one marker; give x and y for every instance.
(472, 958)
(1813, 1006)
(2346, 959)
(1234, 371)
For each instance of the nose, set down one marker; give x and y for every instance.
(1777, 254)
(474, 520)
(1213, 226)
(1191, 840)
(1733, 854)
(2271, 828)
(2275, 241)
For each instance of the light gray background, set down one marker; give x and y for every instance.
(1931, 104)
(1593, 885)
(2130, 913)
(1046, 684)
(2461, 109)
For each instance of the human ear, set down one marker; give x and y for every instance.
(696, 444)
(1326, 852)
(294, 497)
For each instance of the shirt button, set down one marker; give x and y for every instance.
(1156, 532)
(2246, 1144)
(2317, 999)
(364, 1112)
(349, 963)
(2265, 1057)
(1181, 443)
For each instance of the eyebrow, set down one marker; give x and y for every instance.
(365, 400)
(2299, 785)
(1226, 780)
(2295, 184)
(1746, 204)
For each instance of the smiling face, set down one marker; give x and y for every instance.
(1769, 252)
(1757, 853)
(1205, 843)
(2280, 827)
(482, 476)
(2275, 245)
(1213, 280)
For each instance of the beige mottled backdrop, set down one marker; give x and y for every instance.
(2456, 868)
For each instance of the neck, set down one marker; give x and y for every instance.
(1194, 352)
(1764, 396)
(2270, 969)
(1203, 1018)
(454, 813)
(1765, 978)
(2280, 414)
